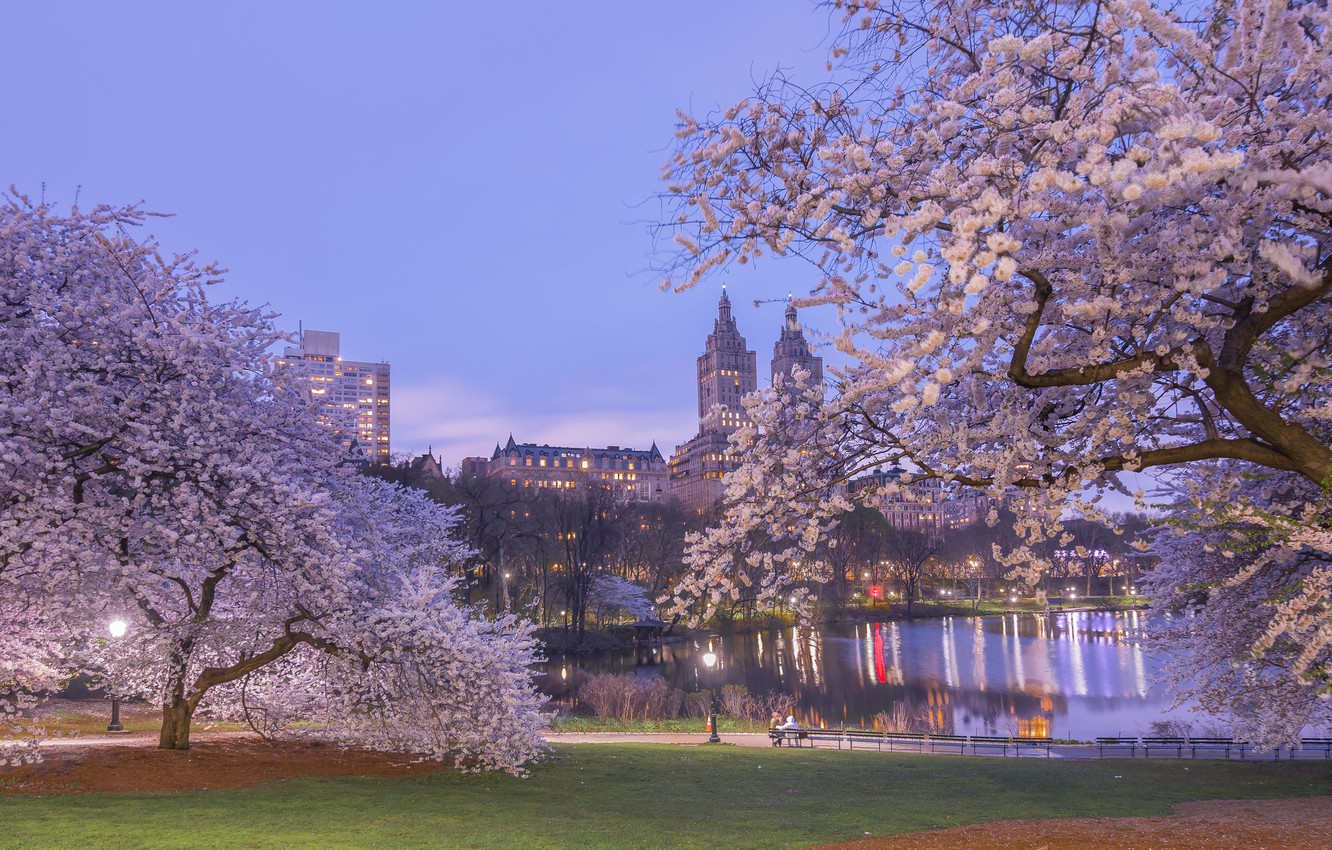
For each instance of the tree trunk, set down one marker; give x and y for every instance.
(176, 707)
(176, 716)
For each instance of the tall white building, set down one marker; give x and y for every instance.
(354, 395)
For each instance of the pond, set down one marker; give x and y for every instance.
(1067, 675)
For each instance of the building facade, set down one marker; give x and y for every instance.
(631, 474)
(925, 505)
(352, 396)
(727, 372)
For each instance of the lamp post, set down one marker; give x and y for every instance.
(710, 660)
(117, 629)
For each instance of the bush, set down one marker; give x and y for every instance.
(735, 701)
(627, 697)
(896, 719)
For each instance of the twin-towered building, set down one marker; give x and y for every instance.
(727, 372)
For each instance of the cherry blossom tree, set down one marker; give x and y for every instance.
(1247, 576)
(1064, 240)
(159, 467)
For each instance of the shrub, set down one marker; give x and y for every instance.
(735, 700)
(627, 697)
(895, 719)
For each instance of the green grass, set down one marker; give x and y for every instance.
(627, 796)
(135, 718)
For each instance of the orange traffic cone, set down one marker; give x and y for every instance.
(707, 726)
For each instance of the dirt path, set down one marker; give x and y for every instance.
(212, 762)
(1297, 824)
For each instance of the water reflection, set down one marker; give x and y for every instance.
(1076, 674)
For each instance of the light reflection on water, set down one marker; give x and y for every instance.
(1074, 674)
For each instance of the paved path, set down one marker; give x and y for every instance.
(760, 739)
(734, 739)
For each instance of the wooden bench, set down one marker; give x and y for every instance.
(780, 736)
(983, 742)
(1214, 745)
(947, 741)
(1176, 744)
(1112, 744)
(1033, 744)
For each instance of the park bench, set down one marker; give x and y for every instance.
(826, 735)
(1032, 744)
(1112, 744)
(865, 737)
(1176, 744)
(895, 740)
(788, 737)
(1214, 745)
(947, 741)
(879, 740)
(1312, 745)
(983, 742)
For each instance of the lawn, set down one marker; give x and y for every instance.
(642, 796)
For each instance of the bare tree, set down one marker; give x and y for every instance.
(908, 552)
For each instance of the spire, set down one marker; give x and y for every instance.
(724, 307)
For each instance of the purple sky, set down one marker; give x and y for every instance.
(461, 189)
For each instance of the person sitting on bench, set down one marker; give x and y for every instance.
(790, 730)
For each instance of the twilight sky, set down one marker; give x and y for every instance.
(462, 189)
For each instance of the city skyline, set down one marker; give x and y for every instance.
(400, 180)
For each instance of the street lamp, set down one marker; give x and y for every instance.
(710, 661)
(117, 629)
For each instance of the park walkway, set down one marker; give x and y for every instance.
(735, 739)
(758, 739)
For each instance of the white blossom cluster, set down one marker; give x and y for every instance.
(1064, 240)
(779, 503)
(158, 468)
(1247, 579)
